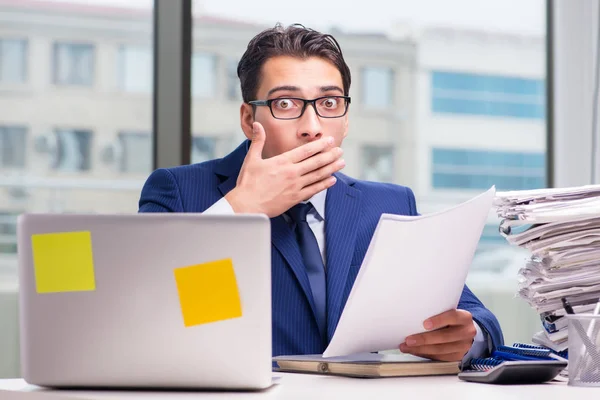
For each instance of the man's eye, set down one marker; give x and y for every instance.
(330, 103)
(284, 104)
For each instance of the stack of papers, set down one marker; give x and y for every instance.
(561, 230)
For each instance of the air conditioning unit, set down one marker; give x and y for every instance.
(18, 193)
(112, 153)
(45, 143)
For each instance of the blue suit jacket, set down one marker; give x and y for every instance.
(353, 208)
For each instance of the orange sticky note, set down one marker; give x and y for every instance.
(63, 262)
(208, 292)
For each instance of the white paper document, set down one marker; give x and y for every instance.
(415, 268)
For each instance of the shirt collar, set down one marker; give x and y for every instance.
(318, 202)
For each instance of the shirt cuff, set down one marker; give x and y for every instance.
(220, 207)
(479, 348)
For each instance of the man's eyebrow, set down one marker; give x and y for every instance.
(291, 88)
(288, 88)
(330, 88)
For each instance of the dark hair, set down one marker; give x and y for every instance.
(295, 41)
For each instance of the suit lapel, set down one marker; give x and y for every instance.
(342, 213)
(227, 185)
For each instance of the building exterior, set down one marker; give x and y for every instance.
(76, 105)
(480, 122)
(446, 112)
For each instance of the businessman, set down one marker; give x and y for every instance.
(295, 114)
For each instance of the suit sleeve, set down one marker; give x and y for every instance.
(160, 193)
(484, 317)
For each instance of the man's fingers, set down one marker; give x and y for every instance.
(450, 317)
(310, 190)
(442, 357)
(319, 160)
(309, 149)
(322, 173)
(258, 141)
(445, 335)
(459, 347)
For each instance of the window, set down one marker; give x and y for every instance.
(13, 60)
(491, 236)
(8, 232)
(487, 95)
(203, 149)
(204, 75)
(73, 150)
(234, 91)
(480, 169)
(135, 69)
(377, 87)
(135, 148)
(12, 146)
(377, 164)
(74, 64)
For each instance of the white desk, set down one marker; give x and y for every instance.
(300, 386)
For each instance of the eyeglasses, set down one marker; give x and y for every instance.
(292, 107)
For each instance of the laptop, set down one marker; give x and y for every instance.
(179, 301)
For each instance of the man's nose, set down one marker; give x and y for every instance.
(310, 124)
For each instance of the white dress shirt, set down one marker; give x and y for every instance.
(316, 221)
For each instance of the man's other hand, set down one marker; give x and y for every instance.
(449, 337)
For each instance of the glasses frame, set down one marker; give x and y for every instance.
(306, 103)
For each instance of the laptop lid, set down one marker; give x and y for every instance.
(145, 300)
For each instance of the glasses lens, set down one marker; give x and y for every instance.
(331, 107)
(287, 108)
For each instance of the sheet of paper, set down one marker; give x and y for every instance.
(63, 262)
(415, 268)
(208, 292)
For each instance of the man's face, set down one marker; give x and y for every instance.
(308, 78)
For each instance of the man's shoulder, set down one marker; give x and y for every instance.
(228, 165)
(383, 193)
(201, 168)
(378, 188)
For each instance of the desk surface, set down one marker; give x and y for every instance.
(304, 386)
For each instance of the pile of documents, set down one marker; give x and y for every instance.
(561, 229)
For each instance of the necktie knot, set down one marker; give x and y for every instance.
(299, 211)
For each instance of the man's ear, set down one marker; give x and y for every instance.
(345, 126)
(246, 119)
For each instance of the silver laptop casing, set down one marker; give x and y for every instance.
(129, 331)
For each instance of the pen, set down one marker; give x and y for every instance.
(567, 306)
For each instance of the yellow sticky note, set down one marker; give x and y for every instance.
(63, 262)
(208, 292)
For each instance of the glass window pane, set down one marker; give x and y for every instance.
(73, 150)
(203, 148)
(60, 145)
(135, 69)
(74, 64)
(13, 60)
(13, 140)
(204, 75)
(233, 82)
(133, 152)
(377, 164)
(377, 87)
